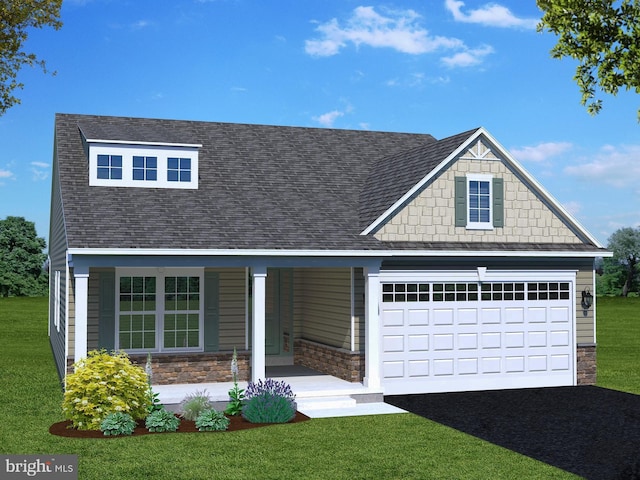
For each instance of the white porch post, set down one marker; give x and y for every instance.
(372, 329)
(81, 300)
(258, 324)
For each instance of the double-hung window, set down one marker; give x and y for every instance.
(479, 198)
(479, 202)
(159, 310)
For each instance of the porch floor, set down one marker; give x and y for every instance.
(317, 395)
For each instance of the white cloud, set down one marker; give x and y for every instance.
(6, 174)
(615, 166)
(572, 207)
(396, 29)
(468, 58)
(490, 15)
(140, 24)
(39, 171)
(327, 119)
(540, 152)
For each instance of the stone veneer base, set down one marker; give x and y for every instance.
(338, 362)
(216, 367)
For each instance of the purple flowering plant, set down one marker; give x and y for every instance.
(269, 401)
(271, 387)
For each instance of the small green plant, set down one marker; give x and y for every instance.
(154, 397)
(269, 402)
(118, 423)
(194, 404)
(212, 421)
(162, 421)
(154, 401)
(101, 384)
(236, 394)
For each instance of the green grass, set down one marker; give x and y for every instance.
(386, 446)
(618, 336)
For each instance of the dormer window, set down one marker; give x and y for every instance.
(145, 168)
(110, 167)
(178, 169)
(117, 164)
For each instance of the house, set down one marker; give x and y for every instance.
(399, 261)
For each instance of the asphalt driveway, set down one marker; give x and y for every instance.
(590, 431)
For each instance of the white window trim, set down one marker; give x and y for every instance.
(480, 225)
(160, 274)
(56, 301)
(162, 153)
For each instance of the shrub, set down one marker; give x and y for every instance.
(194, 404)
(162, 421)
(101, 384)
(274, 387)
(118, 423)
(212, 421)
(269, 402)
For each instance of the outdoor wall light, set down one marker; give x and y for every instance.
(587, 299)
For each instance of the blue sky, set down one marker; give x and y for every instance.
(434, 66)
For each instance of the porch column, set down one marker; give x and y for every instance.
(372, 328)
(258, 324)
(81, 301)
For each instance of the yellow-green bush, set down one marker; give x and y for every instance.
(105, 383)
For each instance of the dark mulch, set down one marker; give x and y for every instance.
(590, 431)
(64, 429)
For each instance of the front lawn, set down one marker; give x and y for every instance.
(618, 338)
(386, 446)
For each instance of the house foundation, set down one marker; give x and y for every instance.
(586, 364)
(171, 369)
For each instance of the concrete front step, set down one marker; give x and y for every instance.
(323, 403)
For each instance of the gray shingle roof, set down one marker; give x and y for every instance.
(260, 187)
(393, 176)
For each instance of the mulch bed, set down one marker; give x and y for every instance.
(64, 429)
(590, 431)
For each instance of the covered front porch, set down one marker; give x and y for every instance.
(240, 297)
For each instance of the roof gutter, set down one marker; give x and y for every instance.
(333, 253)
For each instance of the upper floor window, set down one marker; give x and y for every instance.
(178, 169)
(479, 202)
(145, 168)
(110, 167)
(113, 164)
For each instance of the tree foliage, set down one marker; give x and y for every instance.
(21, 259)
(625, 245)
(16, 18)
(604, 36)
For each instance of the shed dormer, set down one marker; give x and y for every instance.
(125, 162)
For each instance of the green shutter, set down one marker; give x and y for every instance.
(498, 202)
(461, 201)
(211, 311)
(107, 311)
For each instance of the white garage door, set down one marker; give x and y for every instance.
(445, 331)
